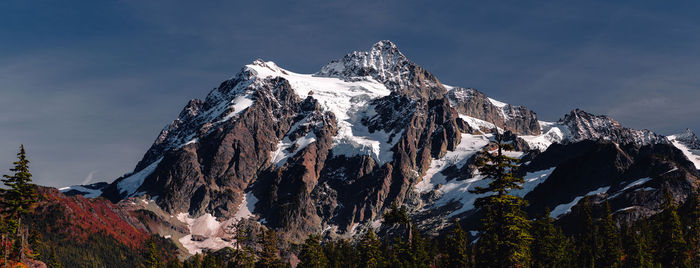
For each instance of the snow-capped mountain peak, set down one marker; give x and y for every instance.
(383, 62)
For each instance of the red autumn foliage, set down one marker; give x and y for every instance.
(81, 217)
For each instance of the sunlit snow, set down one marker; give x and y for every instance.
(551, 133)
(214, 234)
(566, 208)
(130, 184)
(348, 100)
(692, 155)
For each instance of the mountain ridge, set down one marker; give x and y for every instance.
(328, 152)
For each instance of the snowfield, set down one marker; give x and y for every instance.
(348, 100)
(214, 234)
(692, 155)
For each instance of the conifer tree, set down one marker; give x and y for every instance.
(52, 260)
(17, 200)
(341, 254)
(244, 254)
(457, 251)
(549, 249)
(419, 255)
(152, 256)
(693, 234)
(311, 254)
(268, 256)
(19, 194)
(370, 250)
(674, 252)
(505, 239)
(636, 248)
(587, 243)
(611, 251)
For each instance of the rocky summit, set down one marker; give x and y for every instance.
(329, 152)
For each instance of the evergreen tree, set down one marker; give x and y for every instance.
(268, 256)
(341, 254)
(419, 255)
(587, 243)
(19, 194)
(194, 261)
(693, 234)
(674, 251)
(611, 251)
(457, 248)
(17, 200)
(244, 256)
(53, 260)
(396, 215)
(312, 254)
(636, 248)
(549, 249)
(152, 255)
(370, 250)
(505, 239)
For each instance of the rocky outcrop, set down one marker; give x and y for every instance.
(689, 139)
(631, 178)
(211, 174)
(586, 126)
(386, 64)
(473, 103)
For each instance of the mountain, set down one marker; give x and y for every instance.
(330, 152)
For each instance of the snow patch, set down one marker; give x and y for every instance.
(566, 208)
(691, 154)
(206, 227)
(279, 156)
(468, 146)
(636, 183)
(498, 104)
(212, 232)
(551, 133)
(86, 192)
(531, 180)
(130, 184)
(239, 103)
(246, 208)
(477, 124)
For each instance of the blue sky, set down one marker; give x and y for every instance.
(87, 85)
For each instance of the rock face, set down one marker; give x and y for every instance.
(329, 152)
(386, 64)
(586, 126)
(689, 139)
(473, 103)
